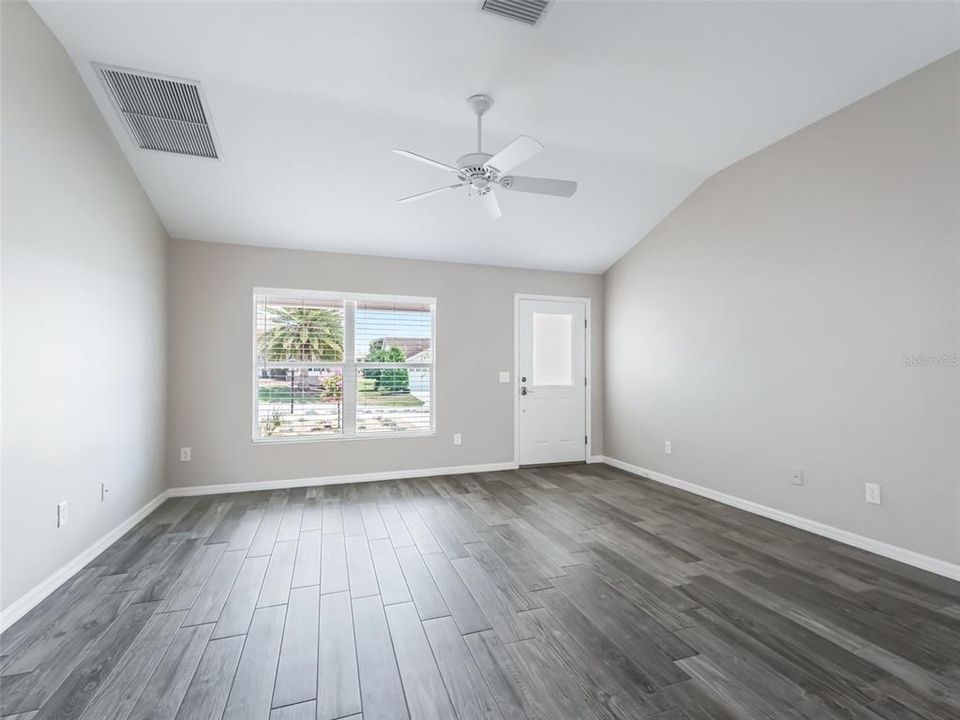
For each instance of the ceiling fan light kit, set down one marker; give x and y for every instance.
(481, 172)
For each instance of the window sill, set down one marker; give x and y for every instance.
(345, 438)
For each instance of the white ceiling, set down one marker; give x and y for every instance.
(639, 102)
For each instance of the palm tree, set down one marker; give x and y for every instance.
(301, 334)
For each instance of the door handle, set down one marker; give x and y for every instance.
(523, 389)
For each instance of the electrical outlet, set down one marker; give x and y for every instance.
(504, 376)
(104, 489)
(797, 475)
(457, 439)
(185, 454)
(61, 514)
(667, 447)
(872, 493)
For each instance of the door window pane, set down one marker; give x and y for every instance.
(552, 349)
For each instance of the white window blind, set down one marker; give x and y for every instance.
(338, 365)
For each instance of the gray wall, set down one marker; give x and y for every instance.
(83, 315)
(211, 335)
(765, 323)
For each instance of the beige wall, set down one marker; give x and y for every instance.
(83, 315)
(764, 323)
(211, 352)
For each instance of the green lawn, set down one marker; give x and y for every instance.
(280, 393)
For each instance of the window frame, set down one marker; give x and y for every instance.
(349, 365)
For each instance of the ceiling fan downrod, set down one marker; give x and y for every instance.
(480, 104)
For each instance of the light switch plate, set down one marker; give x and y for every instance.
(504, 376)
(796, 475)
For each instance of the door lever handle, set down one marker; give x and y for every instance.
(523, 390)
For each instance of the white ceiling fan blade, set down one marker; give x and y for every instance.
(520, 150)
(490, 204)
(422, 195)
(427, 161)
(544, 186)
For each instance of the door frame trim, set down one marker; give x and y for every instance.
(588, 347)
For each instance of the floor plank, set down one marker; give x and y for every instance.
(184, 593)
(333, 563)
(75, 693)
(422, 685)
(462, 605)
(468, 690)
(275, 589)
(306, 567)
(393, 586)
(297, 672)
(300, 711)
(381, 691)
(251, 694)
(120, 692)
(338, 683)
(506, 622)
(363, 579)
(210, 601)
(426, 595)
(163, 693)
(210, 686)
(242, 601)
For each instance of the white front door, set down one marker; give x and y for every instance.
(551, 381)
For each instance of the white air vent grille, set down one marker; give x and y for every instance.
(525, 11)
(164, 114)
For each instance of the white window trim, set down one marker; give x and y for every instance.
(349, 362)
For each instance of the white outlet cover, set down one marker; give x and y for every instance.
(872, 493)
(62, 513)
(504, 376)
(667, 447)
(185, 454)
(457, 439)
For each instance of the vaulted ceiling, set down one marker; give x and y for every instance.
(639, 102)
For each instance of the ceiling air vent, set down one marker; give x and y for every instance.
(162, 113)
(525, 11)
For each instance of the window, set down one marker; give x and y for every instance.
(552, 349)
(334, 365)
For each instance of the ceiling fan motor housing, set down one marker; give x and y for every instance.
(473, 172)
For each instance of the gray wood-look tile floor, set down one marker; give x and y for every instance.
(563, 592)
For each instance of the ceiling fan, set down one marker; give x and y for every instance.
(481, 172)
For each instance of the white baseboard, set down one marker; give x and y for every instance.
(20, 607)
(336, 479)
(894, 552)
(596, 459)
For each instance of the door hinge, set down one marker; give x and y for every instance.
(584, 439)
(584, 324)
(584, 382)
